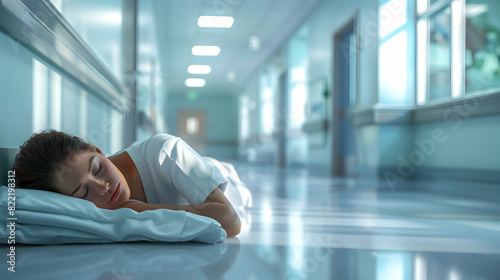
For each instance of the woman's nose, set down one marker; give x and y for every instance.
(101, 187)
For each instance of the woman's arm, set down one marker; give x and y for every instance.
(216, 206)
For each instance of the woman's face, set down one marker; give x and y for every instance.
(91, 176)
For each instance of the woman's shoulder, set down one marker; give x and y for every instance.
(156, 139)
(149, 143)
(163, 137)
(153, 144)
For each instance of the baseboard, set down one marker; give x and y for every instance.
(483, 184)
(384, 179)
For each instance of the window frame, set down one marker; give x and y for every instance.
(457, 52)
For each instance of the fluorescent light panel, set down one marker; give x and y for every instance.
(206, 50)
(215, 21)
(199, 69)
(195, 82)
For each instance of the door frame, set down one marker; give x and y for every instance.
(282, 118)
(338, 164)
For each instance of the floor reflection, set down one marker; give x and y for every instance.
(124, 261)
(304, 227)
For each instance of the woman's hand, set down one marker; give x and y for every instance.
(216, 206)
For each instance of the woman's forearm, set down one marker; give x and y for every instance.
(223, 213)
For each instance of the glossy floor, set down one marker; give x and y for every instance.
(305, 226)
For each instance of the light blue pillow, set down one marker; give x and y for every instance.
(45, 217)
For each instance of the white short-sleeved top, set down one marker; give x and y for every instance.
(172, 172)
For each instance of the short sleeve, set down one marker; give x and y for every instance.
(192, 176)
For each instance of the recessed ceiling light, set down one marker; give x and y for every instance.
(199, 69)
(215, 21)
(206, 50)
(195, 82)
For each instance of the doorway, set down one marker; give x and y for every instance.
(345, 81)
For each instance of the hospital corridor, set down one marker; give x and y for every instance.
(250, 139)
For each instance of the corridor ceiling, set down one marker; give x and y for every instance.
(271, 21)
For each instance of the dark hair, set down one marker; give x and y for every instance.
(40, 156)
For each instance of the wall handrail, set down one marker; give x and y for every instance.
(39, 26)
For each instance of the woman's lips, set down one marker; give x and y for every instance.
(116, 194)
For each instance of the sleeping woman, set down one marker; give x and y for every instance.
(160, 172)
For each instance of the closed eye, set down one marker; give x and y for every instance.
(87, 189)
(100, 166)
(86, 192)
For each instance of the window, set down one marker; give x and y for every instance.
(439, 61)
(439, 72)
(267, 105)
(482, 47)
(458, 49)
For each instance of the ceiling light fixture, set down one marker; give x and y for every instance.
(215, 21)
(195, 82)
(199, 69)
(206, 50)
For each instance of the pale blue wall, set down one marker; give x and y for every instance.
(100, 24)
(393, 141)
(469, 144)
(15, 93)
(221, 123)
(101, 123)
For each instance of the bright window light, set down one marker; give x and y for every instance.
(457, 36)
(199, 69)
(391, 18)
(215, 21)
(206, 50)
(422, 6)
(195, 82)
(392, 73)
(422, 64)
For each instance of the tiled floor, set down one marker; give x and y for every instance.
(304, 226)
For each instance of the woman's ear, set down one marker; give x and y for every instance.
(96, 149)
